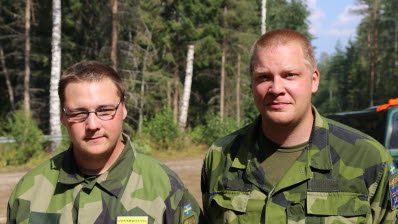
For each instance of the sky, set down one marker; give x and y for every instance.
(332, 21)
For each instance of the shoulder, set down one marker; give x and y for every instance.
(354, 146)
(43, 177)
(223, 145)
(225, 149)
(156, 174)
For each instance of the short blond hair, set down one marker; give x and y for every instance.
(278, 37)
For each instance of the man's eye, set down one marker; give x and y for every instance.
(290, 75)
(105, 109)
(77, 114)
(263, 77)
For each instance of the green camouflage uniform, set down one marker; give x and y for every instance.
(135, 189)
(344, 177)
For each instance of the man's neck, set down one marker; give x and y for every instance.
(289, 135)
(91, 165)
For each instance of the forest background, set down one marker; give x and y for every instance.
(147, 41)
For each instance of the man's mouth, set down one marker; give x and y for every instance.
(276, 105)
(93, 139)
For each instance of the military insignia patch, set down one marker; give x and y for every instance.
(393, 185)
(392, 169)
(132, 220)
(190, 220)
(187, 209)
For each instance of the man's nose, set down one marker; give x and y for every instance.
(277, 86)
(92, 122)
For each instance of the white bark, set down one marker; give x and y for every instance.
(55, 125)
(27, 58)
(187, 88)
(263, 16)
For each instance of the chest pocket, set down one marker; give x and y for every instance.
(44, 218)
(337, 207)
(237, 207)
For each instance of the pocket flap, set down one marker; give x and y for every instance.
(337, 203)
(232, 200)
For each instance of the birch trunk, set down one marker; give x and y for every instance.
(187, 88)
(263, 16)
(176, 93)
(27, 58)
(114, 35)
(55, 125)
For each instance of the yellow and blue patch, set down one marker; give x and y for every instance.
(392, 169)
(187, 209)
(393, 185)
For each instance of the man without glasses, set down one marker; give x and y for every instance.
(101, 178)
(291, 165)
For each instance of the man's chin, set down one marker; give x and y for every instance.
(282, 121)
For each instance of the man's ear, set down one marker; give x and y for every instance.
(124, 108)
(63, 119)
(315, 81)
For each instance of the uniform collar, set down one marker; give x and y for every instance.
(319, 156)
(112, 180)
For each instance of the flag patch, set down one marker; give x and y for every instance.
(187, 209)
(392, 169)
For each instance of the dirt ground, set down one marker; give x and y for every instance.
(188, 169)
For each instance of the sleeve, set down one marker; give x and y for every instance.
(384, 201)
(18, 210)
(188, 210)
(181, 206)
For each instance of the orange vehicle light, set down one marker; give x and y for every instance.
(391, 102)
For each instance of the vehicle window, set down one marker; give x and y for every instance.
(394, 134)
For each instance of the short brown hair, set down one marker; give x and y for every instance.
(280, 37)
(89, 71)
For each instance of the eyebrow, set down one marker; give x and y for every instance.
(286, 69)
(85, 109)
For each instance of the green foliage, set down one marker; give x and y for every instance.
(162, 129)
(213, 129)
(66, 142)
(29, 139)
(143, 144)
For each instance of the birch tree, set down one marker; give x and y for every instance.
(263, 16)
(187, 88)
(27, 58)
(55, 126)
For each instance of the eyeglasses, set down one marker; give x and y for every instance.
(103, 113)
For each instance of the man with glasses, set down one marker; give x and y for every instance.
(101, 178)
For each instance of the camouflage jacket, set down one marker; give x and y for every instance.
(135, 189)
(344, 177)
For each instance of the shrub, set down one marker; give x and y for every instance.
(142, 144)
(213, 129)
(29, 139)
(162, 129)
